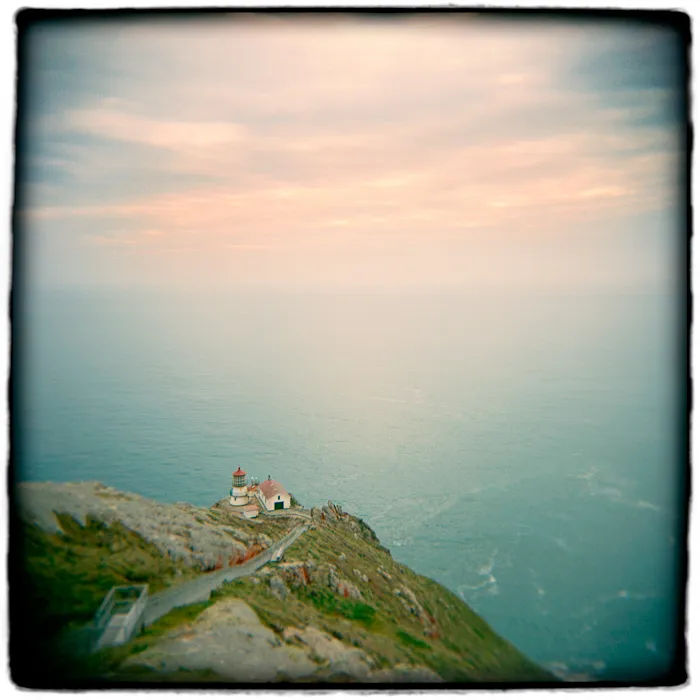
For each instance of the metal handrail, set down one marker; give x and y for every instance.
(106, 609)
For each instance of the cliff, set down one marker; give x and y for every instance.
(337, 608)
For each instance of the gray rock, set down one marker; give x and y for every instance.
(405, 674)
(360, 575)
(337, 658)
(296, 573)
(385, 574)
(229, 639)
(410, 602)
(341, 586)
(181, 531)
(278, 588)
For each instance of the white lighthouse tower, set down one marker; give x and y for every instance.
(239, 489)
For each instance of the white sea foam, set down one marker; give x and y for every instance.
(647, 505)
(624, 594)
(490, 585)
(589, 474)
(564, 672)
(608, 492)
(488, 568)
(561, 543)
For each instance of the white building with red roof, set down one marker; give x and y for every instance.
(272, 495)
(251, 510)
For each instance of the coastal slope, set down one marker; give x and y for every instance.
(337, 608)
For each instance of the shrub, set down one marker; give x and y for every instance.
(329, 603)
(409, 639)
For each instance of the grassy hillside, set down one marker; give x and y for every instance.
(67, 574)
(60, 579)
(337, 578)
(446, 635)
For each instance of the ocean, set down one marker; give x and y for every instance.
(523, 449)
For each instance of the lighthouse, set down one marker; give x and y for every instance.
(239, 489)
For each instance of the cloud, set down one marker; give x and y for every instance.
(110, 123)
(261, 134)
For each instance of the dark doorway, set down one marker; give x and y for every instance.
(279, 505)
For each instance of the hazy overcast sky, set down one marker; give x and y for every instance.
(351, 150)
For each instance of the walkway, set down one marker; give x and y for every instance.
(295, 512)
(199, 589)
(289, 513)
(81, 641)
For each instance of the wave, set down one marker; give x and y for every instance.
(536, 584)
(589, 474)
(624, 594)
(489, 586)
(564, 672)
(561, 543)
(615, 494)
(487, 569)
(647, 505)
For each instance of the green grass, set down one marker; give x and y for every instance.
(106, 663)
(70, 573)
(62, 577)
(328, 602)
(175, 618)
(464, 648)
(66, 575)
(412, 641)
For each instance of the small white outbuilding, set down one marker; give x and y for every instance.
(272, 495)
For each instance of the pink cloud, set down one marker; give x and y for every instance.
(333, 138)
(103, 120)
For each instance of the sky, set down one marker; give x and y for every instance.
(349, 150)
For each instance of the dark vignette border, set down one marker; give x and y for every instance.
(25, 667)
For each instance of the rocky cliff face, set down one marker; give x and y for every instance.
(196, 537)
(336, 608)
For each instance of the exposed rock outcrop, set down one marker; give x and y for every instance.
(333, 656)
(229, 639)
(297, 573)
(363, 577)
(412, 606)
(278, 587)
(384, 573)
(342, 586)
(341, 609)
(182, 531)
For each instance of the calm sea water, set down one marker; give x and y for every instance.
(523, 450)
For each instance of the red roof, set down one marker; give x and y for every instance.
(239, 472)
(270, 488)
